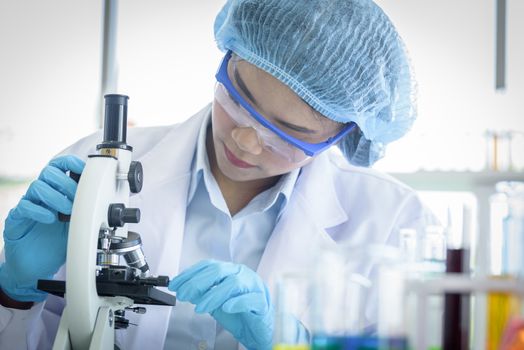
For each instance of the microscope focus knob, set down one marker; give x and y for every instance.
(135, 177)
(119, 215)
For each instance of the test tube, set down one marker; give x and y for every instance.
(432, 264)
(408, 244)
(329, 303)
(391, 316)
(456, 320)
(292, 294)
(345, 313)
(503, 306)
(358, 297)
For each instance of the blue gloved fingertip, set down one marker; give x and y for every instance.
(174, 284)
(28, 209)
(200, 309)
(181, 296)
(68, 162)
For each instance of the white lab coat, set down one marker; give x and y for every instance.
(332, 203)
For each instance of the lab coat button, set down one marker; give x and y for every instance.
(202, 345)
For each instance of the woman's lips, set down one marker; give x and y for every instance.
(235, 161)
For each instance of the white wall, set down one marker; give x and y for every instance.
(452, 45)
(49, 71)
(167, 58)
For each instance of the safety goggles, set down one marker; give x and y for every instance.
(272, 137)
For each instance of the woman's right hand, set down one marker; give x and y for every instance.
(35, 241)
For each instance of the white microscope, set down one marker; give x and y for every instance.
(99, 290)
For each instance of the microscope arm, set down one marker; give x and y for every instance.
(99, 187)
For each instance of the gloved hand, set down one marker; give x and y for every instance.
(35, 242)
(234, 295)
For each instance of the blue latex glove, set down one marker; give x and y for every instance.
(234, 295)
(35, 242)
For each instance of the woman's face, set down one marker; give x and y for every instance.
(240, 154)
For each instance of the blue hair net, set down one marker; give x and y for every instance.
(343, 57)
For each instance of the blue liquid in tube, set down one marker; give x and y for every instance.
(359, 343)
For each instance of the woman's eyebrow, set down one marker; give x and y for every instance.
(246, 91)
(243, 87)
(295, 127)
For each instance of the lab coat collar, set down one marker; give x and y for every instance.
(302, 229)
(316, 186)
(200, 161)
(181, 141)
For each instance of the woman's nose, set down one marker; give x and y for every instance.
(247, 140)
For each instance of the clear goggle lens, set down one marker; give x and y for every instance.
(267, 138)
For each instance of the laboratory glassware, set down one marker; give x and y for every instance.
(358, 299)
(429, 264)
(456, 318)
(503, 306)
(292, 293)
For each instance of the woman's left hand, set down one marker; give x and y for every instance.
(234, 295)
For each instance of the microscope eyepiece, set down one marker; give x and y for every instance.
(115, 121)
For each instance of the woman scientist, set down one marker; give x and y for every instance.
(247, 188)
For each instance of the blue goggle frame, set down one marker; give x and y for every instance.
(310, 149)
